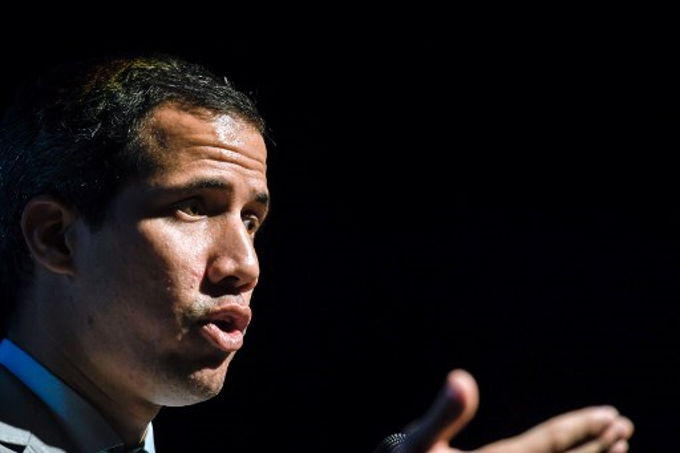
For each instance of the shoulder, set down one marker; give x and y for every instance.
(25, 421)
(13, 439)
(17, 402)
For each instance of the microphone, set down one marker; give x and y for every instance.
(391, 443)
(446, 409)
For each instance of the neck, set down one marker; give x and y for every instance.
(128, 414)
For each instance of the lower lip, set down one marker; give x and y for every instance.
(224, 341)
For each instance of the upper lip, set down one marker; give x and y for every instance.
(238, 315)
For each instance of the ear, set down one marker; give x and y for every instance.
(45, 224)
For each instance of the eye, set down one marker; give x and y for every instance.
(191, 207)
(252, 223)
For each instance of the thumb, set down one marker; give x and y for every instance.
(454, 407)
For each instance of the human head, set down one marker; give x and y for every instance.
(79, 133)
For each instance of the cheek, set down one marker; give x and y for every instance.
(174, 255)
(136, 285)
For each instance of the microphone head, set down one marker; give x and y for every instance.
(391, 443)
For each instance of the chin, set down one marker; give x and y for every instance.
(198, 386)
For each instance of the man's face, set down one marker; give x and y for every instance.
(161, 293)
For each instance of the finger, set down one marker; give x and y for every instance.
(619, 447)
(455, 405)
(560, 433)
(466, 387)
(627, 428)
(565, 431)
(591, 447)
(619, 429)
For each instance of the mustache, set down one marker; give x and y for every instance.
(201, 309)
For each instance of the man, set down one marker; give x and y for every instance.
(132, 190)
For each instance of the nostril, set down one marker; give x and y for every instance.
(248, 286)
(228, 286)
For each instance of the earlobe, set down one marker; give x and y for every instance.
(45, 224)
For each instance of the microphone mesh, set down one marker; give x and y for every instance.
(391, 443)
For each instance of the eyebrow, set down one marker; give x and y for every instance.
(217, 183)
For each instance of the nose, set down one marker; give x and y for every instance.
(233, 267)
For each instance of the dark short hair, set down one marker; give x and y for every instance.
(76, 133)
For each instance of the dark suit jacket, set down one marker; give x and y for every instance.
(26, 423)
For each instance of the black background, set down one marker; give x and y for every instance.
(503, 200)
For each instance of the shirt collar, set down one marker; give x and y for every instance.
(86, 426)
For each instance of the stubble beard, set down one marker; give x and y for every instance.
(186, 380)
(190, 373)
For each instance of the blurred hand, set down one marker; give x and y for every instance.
(589, 430)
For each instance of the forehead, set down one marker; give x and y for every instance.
(177, 135)
(186, 147)
(194, 151)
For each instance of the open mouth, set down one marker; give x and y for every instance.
(224, 329)
(227, 325)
